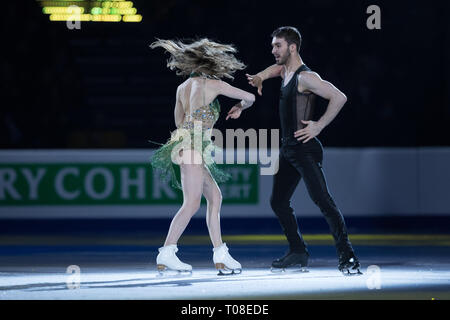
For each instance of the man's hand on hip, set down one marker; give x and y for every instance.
(312, 129)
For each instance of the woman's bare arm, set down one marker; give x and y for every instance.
(223, 88)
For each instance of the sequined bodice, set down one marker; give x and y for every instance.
(207, 115)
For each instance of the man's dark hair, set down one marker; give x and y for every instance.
(290, 34)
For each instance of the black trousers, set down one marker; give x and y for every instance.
(299, 160)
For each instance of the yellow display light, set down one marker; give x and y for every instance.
(89, 10)
(132, 18)
(126, 11)
(106, 17)
(64, 3)
(62, 10)
(122, 4)
(70, 17)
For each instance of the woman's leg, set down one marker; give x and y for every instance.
(213, 197)
(192, 185)
(223, 261)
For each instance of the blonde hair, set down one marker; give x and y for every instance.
(202, 56)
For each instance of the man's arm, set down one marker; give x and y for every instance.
(271, 72)
(311, 81)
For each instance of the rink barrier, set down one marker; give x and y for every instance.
(121, 183)
(242, 239)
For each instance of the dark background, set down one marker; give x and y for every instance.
(102, 87)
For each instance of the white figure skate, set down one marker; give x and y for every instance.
(168, 260)
(224, 262)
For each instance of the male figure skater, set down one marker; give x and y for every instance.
(301, 153)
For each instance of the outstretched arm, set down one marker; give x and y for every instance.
(271, 72)
(311, 81)
(247, 98)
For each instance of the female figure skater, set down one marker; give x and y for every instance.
(196, 111)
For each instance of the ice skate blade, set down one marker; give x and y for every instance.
(224, 271)
(229, 272)
(289, 269)
(350, 273)
(163, 270)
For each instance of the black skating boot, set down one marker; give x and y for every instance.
(349, 263)
(291, 259)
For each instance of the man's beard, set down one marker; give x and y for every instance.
(284, 59)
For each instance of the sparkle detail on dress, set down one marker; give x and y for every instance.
(206, 116)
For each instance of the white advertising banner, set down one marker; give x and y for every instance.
(121, 183)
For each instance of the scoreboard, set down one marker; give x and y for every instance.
(89, 10)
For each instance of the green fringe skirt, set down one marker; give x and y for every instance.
(161, 160)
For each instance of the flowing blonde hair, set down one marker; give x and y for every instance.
(202, 56)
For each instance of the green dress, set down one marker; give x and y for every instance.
(201, 120)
